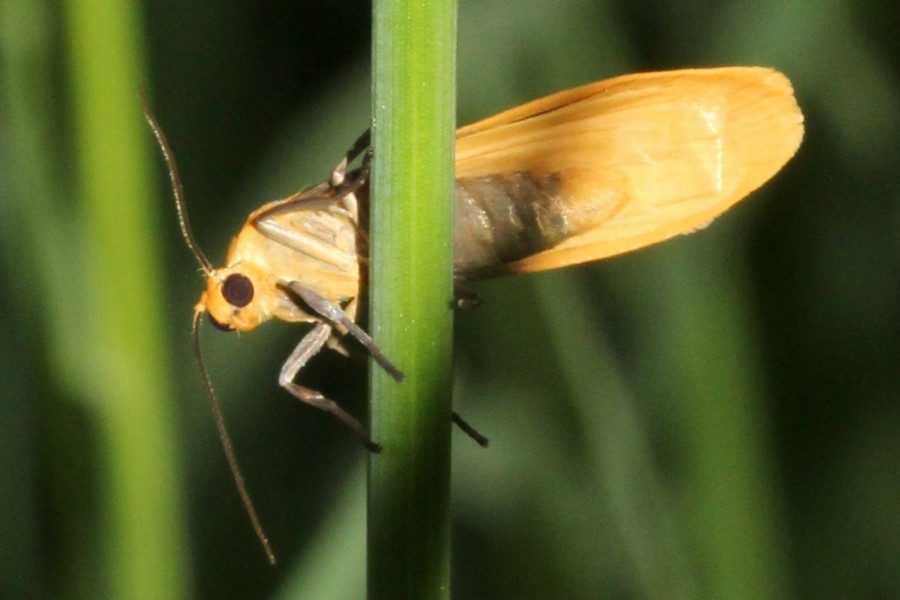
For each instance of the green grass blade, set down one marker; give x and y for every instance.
(123, 364)
(411, 279)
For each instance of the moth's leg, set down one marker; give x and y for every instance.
(308, 347)
(464, 296)
(355, 179)
(469, 430)
(333, 314)
(336, 341)
(360, 145)
(343, 185)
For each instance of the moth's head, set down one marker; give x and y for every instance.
(232, 301)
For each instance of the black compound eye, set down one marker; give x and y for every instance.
(237, 290)
(219, 326)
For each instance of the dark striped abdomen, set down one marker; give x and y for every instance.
(504, 218)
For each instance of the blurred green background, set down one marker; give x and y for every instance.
(714, 417)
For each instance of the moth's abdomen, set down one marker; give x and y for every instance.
(507, 217)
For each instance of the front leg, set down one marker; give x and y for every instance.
(334, 315)
(308, 347)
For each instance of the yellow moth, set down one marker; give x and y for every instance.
(577, 176)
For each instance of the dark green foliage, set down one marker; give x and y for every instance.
(714, 417)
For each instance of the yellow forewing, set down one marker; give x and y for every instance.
(682, 147)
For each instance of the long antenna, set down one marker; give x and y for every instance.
(177, 189)
(227, 446)
(212, 398)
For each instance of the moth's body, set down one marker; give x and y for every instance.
(574, 177)
(584, 174)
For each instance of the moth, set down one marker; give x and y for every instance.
(577, 176)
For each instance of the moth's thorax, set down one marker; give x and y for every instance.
(316, 248)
